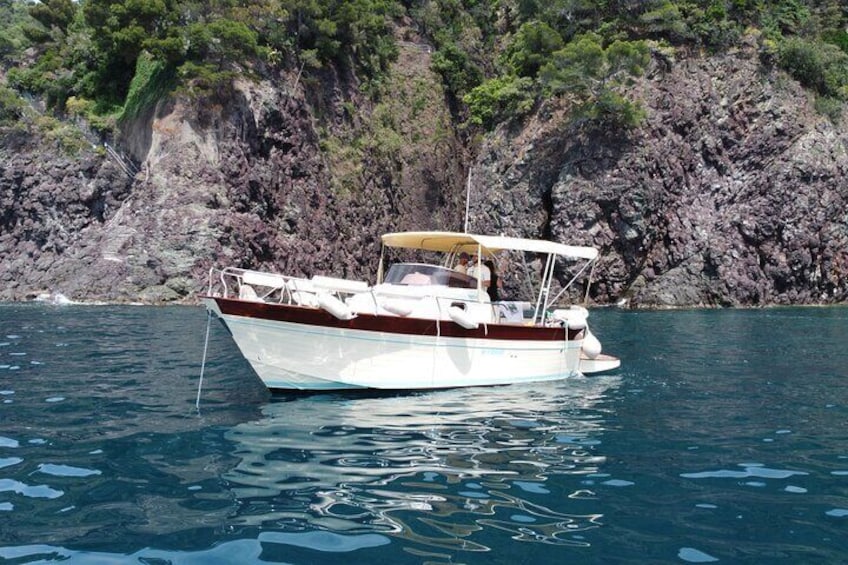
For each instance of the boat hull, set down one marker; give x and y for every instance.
(292, 347)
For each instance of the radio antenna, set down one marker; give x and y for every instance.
(467, 198)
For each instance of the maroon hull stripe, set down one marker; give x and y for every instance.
(390, 324)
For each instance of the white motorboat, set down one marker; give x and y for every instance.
(420, 326)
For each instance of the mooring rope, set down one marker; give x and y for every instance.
(203, 364)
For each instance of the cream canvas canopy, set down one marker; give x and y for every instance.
(454, 242)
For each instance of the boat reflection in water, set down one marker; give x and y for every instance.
(451, 469)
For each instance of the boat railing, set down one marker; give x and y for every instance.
(400, 300)
(263, 286)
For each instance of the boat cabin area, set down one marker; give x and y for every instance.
(416, 290)
(424, 289)
(424, 274)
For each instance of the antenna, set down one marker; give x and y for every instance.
(467, 198)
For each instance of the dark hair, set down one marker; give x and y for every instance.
(493, 281)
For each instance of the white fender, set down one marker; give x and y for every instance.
(397, 307)
(591, 345)
(462, 318)
(575, 317)
(335, 306)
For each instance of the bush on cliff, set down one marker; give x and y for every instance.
(531, 48)
(596, 75)
(11, 106)
(13, 19)
(458, 71)
(820, 66)
(500, 99)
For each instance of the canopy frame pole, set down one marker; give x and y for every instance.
(543, 290)
(589, 282)
(477, 272)
(550, 280)
(380, 265)
(574, 278)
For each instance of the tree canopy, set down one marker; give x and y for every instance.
(498, 58)
(91, 51)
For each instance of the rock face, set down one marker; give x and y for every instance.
(253, 183)
(733, 192)
(58, 217)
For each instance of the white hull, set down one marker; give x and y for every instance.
(288, 355)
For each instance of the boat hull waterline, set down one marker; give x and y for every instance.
(296, 348)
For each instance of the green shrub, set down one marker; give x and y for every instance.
(837, 37)
(578, 67)
(7, 48)
(531, 48)
(830, 107)
(787, 16)
(458, 72)
(11, 106)
(613, 110)
(14, 16)
(713, 26)
(65, 136)
(205, 80)
(666, 20)
(79, 106)
(152, 81)
(822, 67)
(597, 76)
(500, 99)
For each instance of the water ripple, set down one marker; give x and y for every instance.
(466, 461)
(9, 442)
(66, 470)
(9, 461)
(36, 491)
(748, 471)
(707, 445)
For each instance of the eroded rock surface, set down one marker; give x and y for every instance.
(733, 193)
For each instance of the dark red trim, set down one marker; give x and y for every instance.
(390, 324)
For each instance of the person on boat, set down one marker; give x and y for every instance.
(495, 283)
(462, 266)
(480, 271)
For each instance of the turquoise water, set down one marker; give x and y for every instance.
(723, 438)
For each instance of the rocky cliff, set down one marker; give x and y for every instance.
(285, 175)
(732, 193)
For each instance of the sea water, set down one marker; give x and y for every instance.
(723, 438)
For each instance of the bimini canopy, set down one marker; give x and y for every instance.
(447, 242)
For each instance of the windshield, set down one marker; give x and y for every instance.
(421, 274)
